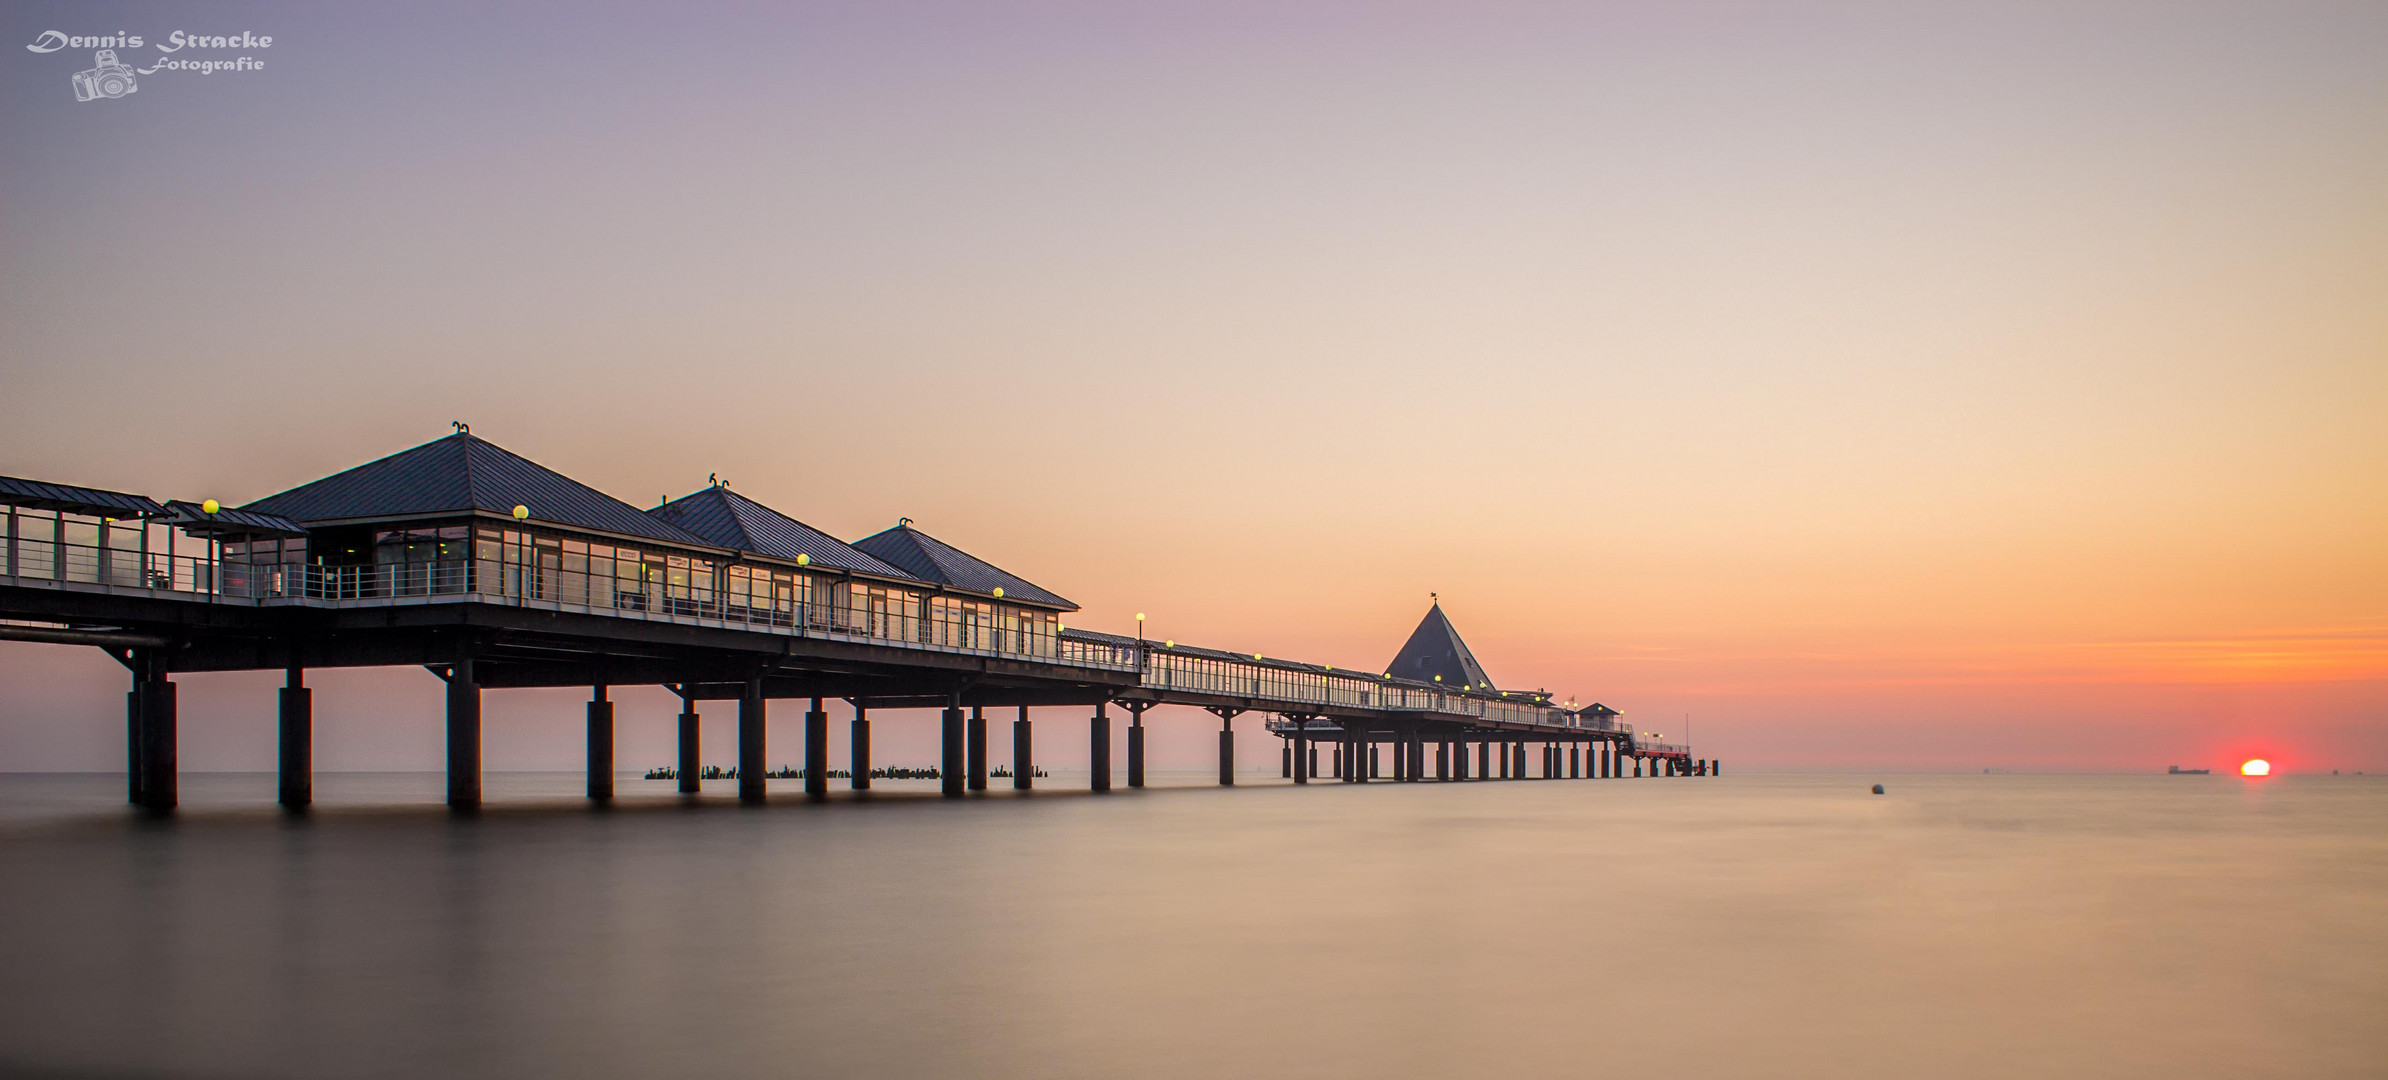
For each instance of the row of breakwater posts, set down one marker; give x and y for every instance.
(492, 572)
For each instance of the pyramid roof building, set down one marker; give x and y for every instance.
(464, 474)
(1435, 649)
(728, 519)
(929, 559)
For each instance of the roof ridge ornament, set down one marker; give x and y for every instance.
(461, 427)
(903, 523)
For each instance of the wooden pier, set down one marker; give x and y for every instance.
(493, 572)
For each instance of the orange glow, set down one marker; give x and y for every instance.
(2256, 767)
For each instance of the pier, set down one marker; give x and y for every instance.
(494, 572)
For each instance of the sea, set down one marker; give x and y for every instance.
(1747, 925)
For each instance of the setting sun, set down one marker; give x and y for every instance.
(2256, 767)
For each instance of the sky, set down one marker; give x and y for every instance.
(1855, 385)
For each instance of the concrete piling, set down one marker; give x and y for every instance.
(753, 716)
(1099, 750)
(858, 769)
(296, 724)
(464, 737)
(975, 748)
(950, 765)
(154, 700)
(1023, 756)
(816, 752)
(1135, 747)
(600, 763)
(691, 751)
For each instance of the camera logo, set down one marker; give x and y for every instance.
(108, 78)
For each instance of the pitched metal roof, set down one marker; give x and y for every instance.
(1435, 649)
(728, 519)
(929, 559)
(97, 502)
(463, 473)
(226, 521)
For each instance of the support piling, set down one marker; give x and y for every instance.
(296, 721)
(600, 763)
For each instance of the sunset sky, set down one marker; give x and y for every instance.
(1877, 385)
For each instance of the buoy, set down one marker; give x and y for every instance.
(1877, 789)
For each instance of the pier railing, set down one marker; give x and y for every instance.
(1167, 668)
(814, 609)
(805, 612)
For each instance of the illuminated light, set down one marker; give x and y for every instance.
(1139, 616)
(803, 559)
(998, 592)
(1169, 644)
(521, 511)
(1438, 678)
(1256, 656)
(2255, 767)
(210, 506)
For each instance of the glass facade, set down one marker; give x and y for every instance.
(461, 557)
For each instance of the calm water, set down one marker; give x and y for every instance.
(1991, 926)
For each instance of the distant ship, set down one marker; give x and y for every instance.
(2179, 771)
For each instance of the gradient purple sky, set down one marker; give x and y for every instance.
(1888, 385)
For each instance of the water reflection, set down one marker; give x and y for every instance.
(1959, 926)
